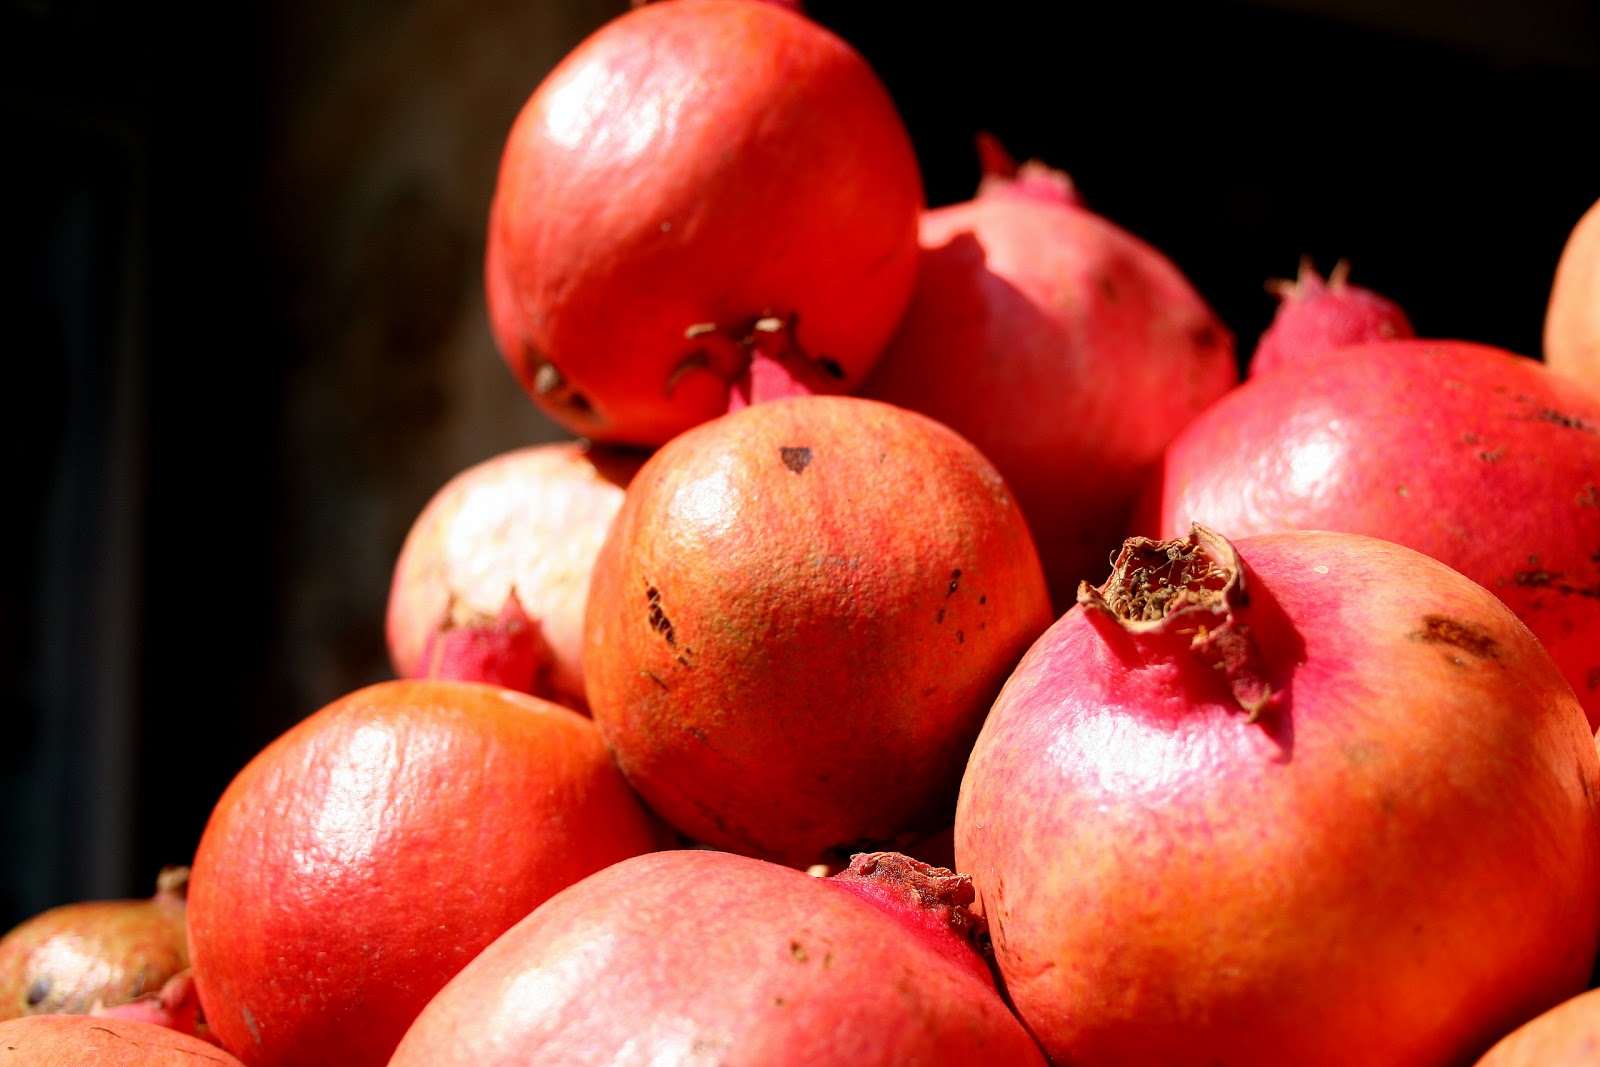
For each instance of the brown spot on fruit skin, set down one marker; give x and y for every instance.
(796, 458)
(1551, 415)
(658, 618)
(1471, 638)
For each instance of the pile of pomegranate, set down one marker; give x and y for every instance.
(930, 648)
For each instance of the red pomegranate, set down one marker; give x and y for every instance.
(1483, 459)
(798, 621)
(1572, 316)
(77, 956)
(1315, 314)
(358, 861)
(1308, 798)
(84, 1041)
(1033, 324)
(699, 184)
(491, 583)
(700, 956)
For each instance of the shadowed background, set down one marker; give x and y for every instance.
(245, 337)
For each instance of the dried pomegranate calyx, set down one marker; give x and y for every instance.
(1191, 585)
(922, 887)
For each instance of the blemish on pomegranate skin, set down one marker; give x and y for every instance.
(1593, 678)
(251, 1025)
(798, 951)
(1469, 637)
(1589, 496)
(1537, 578)
(1567, 421)
(658, 618)
(795, 457)
(955, 582)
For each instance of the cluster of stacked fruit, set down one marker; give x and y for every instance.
(788, 714)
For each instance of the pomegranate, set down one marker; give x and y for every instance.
(353, 866)
(1480, 458)
(1307, 797)
(699, 186)
(798, 620)
(83, 1041)
(1316, 314)
(716, 957)
(175, 1005)
(1572, 317)
(491, 583)
(1032, 323)
(75, 956)
(1568, 1035)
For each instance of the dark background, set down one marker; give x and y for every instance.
(244, 337)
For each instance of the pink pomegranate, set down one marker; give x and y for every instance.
(699, 186)
(1483, 459)
(1305, 798)
(1316, 314)
(492, 580)
(1068, 350)
(698, 956)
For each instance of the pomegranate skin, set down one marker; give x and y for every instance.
(690, 171)
(1395, 863)
(1032, 323)
(798, 621)
(1478, 457)
(87, 1041)
(713, 956)
(1572, 316)
(75, 957)
(519, 530)
(360, 859)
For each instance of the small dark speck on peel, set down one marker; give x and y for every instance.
(795, 457)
